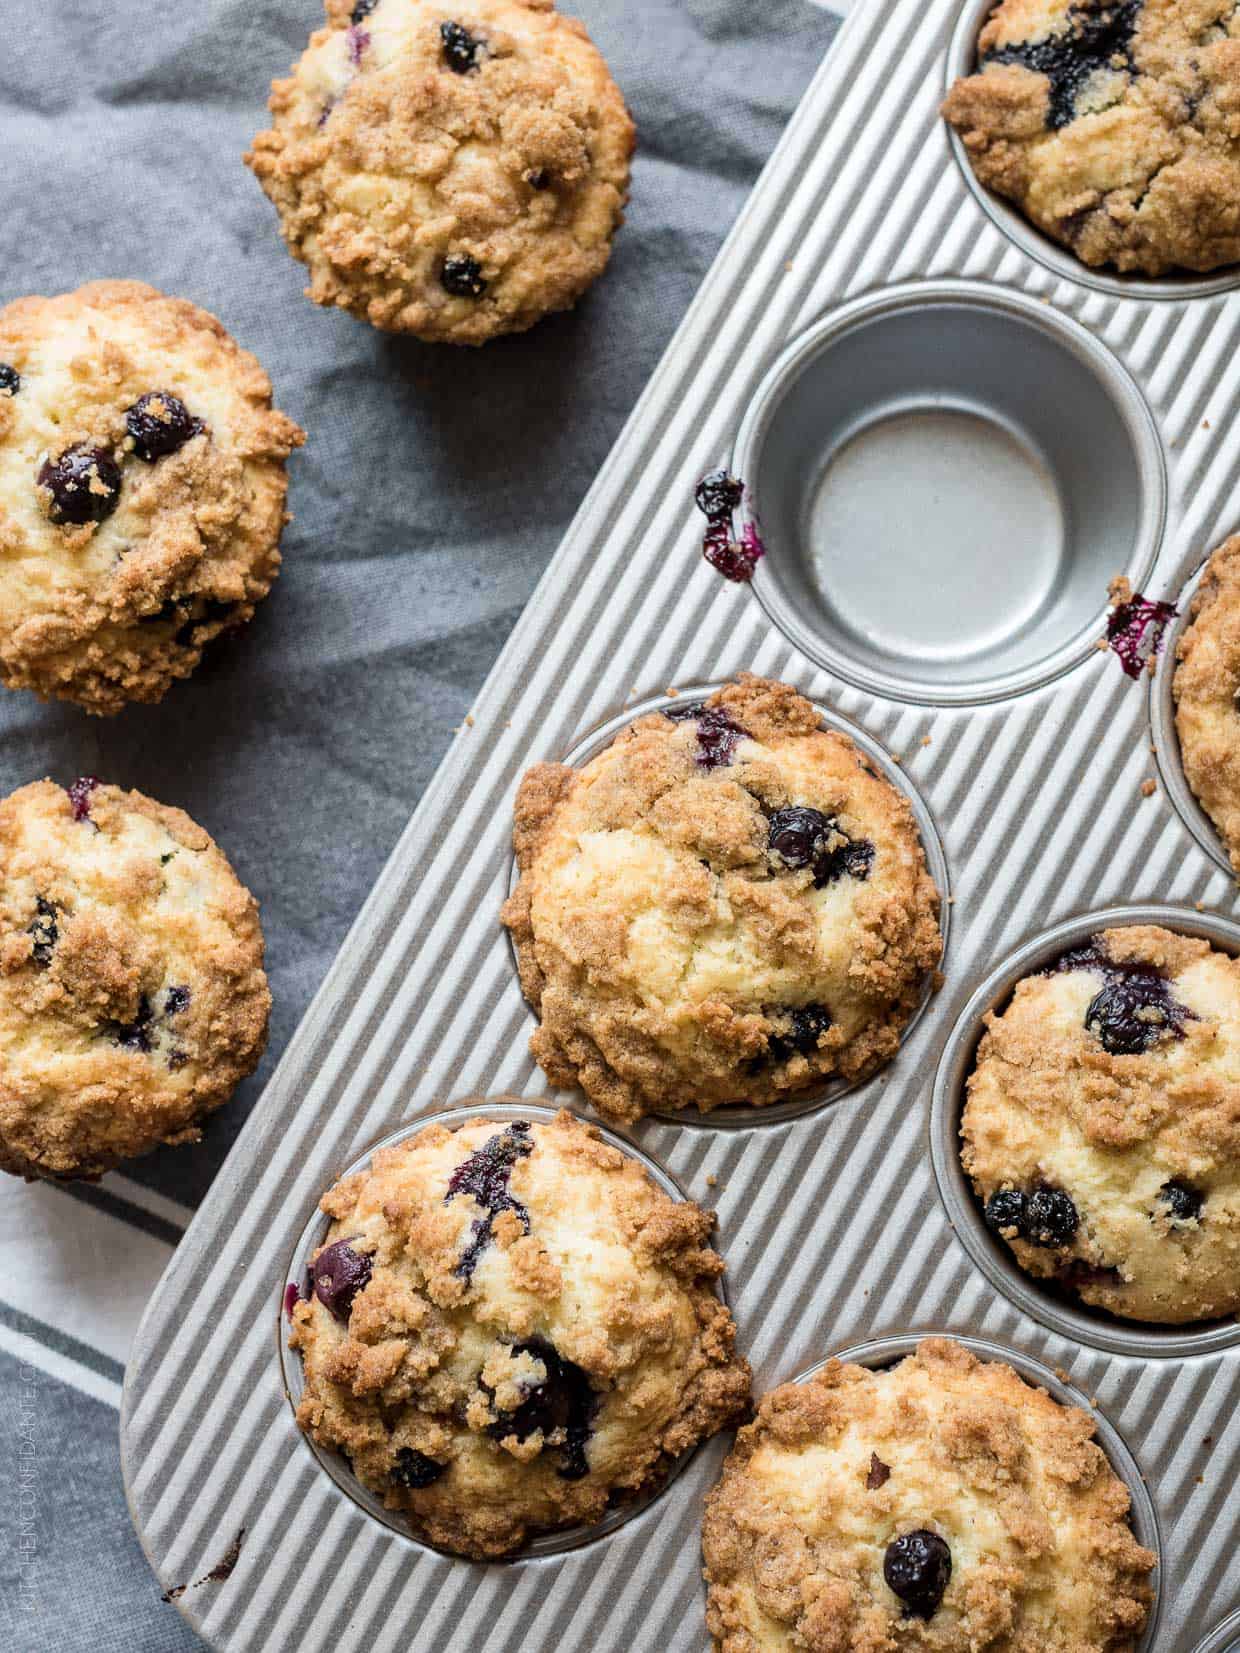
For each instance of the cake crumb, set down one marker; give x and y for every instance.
(1148, 788)
(712, 1181)
(925, 740)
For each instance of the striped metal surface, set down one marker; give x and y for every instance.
(831, 1223)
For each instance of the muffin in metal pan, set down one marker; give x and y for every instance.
(728, 904)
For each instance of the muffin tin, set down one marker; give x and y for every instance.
(1029, 759)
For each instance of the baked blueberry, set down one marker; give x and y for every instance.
(339, 1274)
(1133, 1012)
(808, 1023)
(561, 1404)
(136, 1034)
(718, 494)
(414, 1469)
(361, 11)
(460, 48)
(1051, 1218)
(1005, 1211)
(84, 483)
(176, 1001)
(462, 276)
(10, 380)
(44, 932)
(802, 837)
(79, 795)
(159, 423)
(918, 1568)
(1183, 1201)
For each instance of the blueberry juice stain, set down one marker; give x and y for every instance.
(484, 1176)
(1135, 630)
(718, 496)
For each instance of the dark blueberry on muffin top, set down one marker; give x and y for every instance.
(460, 48)
(462, 276)
(84, 484)
(918, 1569)
(159, 423)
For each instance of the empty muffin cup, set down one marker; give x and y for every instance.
(1043, 1300)
(881, 1352)
(1166, 738)
(335, 1464)
(600, 737)
(946, 477)
(961, 61)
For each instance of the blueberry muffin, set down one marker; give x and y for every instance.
(132, 993)
(941, 1504)
(142, 486)
(1114, 125)
(451, 171)
(509, 1329)
(1206, 688)
(1102, 1126)
(727, 905)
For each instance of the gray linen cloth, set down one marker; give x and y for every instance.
(432, 491)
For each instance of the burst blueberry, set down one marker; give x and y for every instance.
(918, 1568)
(176, 1001)
(460, 48)
(485, 1176)
(339, 1274)
(563, 1401)
(807, 1024)
(803, 837)
(462, 276)
(44, 932)
(1095, 38)
(362, 10)
(159, 423)
(137, 1034)
(717, 735)
(414, 1469)
(10, 380)
(84, 484)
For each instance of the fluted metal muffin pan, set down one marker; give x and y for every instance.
(832, 1223)
(313, 1236)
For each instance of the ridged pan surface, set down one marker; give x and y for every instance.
(831, 1222)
